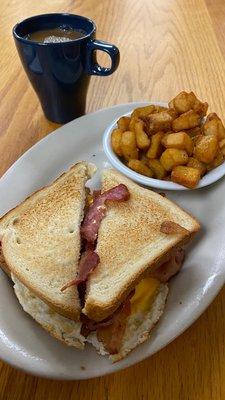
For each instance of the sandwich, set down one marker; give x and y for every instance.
(95, 267)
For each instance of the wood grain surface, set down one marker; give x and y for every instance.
(166, 46)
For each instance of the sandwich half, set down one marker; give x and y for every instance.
(40, 246)
(140, 247)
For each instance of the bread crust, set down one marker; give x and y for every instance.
(3, 264)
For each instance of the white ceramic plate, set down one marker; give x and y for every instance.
(211, 177)
(22, 342)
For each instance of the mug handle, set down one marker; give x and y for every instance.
(92, 67)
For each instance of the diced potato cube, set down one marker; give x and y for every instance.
(133, 121)
(188, 120)
(140, 167)
(116, 141)
(123, 123)
(206, 149)
(143, 141)
(214, 127)
(170, 158)
(155, 149)
(157, 168)
(186, 176)
(161, 121)
(129, 146)
(212, 116)
(221, 128)
(179, 140)
(184, 102)
(194, 163)
(143, 111)
(210, 127)
(218, 160)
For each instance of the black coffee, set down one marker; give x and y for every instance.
(55, 35)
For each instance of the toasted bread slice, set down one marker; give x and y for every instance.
(131, 244)
(138, 328)
(41, 240)
(64, 329)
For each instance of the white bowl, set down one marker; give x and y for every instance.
(208, 179)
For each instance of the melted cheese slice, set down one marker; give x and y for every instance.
(144, 295)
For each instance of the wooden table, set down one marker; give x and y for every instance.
(166, 46)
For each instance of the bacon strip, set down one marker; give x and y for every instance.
(89, 326)
(111, 330)
(112, 335)
(88, 262)
(96, 194)
(171, 267)
(97, 211)
(172, 228)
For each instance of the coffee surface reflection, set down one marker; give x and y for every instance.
(55, 35)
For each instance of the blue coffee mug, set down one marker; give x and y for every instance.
(60, 72)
